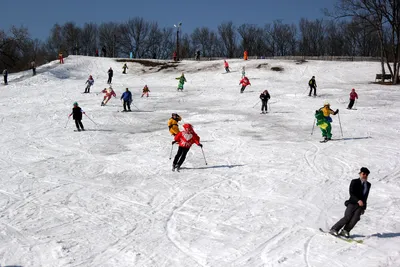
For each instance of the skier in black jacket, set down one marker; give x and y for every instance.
(110, 75)
(77, 116)
(313, 85)
(264, 101)
(356, 205)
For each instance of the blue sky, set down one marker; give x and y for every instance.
(40, 15)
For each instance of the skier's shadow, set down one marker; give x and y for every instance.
(356, 138)
(214, 167)
(380, 235)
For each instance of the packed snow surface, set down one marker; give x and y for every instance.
(108, 197)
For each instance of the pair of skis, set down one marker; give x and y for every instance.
(349, 239)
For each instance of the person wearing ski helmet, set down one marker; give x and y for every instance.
(244, 82)
(313, 85)
(77, 116)
(173, 124)
(264, 101)
(185, 140)
(353, 97)
(324, 120)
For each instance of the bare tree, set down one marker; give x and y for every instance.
(312, 37)
(89, 39)
(384, 17)
(72, 35)
(110, 36)
(281, 38)
(252, 39)
(56, 41)
(134, 34)
(227, 33)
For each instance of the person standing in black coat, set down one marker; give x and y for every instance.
(110, 75)
(5, 75)
(356, 205)
(313, 85)
(264, 101)
(77, 116)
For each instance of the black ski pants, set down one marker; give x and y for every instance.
(351, 104)
(180, 156)
(109, 79)
(242, 89)
(79, 123)
(351, 216)
(264, 105)
(5, 79)
(87, 89)
(127, 103)
(315, 90)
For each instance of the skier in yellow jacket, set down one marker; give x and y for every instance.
(173, 124)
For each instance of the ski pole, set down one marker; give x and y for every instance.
(67, 122)
(340, 124)
(135, 106)
(256, 103)
(170, 154)
(90, 119)
(203, 155)
(355, 104)
(269, 106)
(312, 131)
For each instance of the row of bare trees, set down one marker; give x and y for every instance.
(372, 31)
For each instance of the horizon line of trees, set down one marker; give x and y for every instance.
(372, 31)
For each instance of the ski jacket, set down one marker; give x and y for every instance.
(353, 96)
(187, 139)
(146, 89)
(5, 72)
(181, 79)
(110, 72)
(312, 83)
(245, 81)
(226, 64)
(265, 97)
(356, 191)
(322, 121)
(173, 125)
(109, 92)
(125, 67)
(327, 111)
(127, 96)
(77, 113)
(90, 82)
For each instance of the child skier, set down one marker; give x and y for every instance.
(324, 120)
(89, 83)
(173, 124)
(185, 140)
(77, 116)
(109, 92)
(126, 97)
(243, 72)
(146, 91)
(353, 97)
(182, 81)
(244, 82)
(226, 65)
(264, 101)
(124, 67)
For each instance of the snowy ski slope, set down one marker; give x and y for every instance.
(107, 197)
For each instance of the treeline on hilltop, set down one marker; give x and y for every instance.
(372, 31)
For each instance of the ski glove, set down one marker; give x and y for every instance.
(336, 112)
(200, 145)
(174, 142)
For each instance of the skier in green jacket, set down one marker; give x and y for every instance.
(182, 81)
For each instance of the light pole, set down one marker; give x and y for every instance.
(177, 39)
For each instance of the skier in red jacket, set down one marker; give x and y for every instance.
(244, 82)
(185, 140)
(226, 65)
(353, 96)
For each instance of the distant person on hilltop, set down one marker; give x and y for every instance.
(313, 85)
(96, 53)
(61, 58)
(110, 75)
(33, 67)
(353, 97)
(5, 75)
(226, 65)
(245, 55)
(244, 82)
(104, 51)
(197, 55)
(174, 56)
